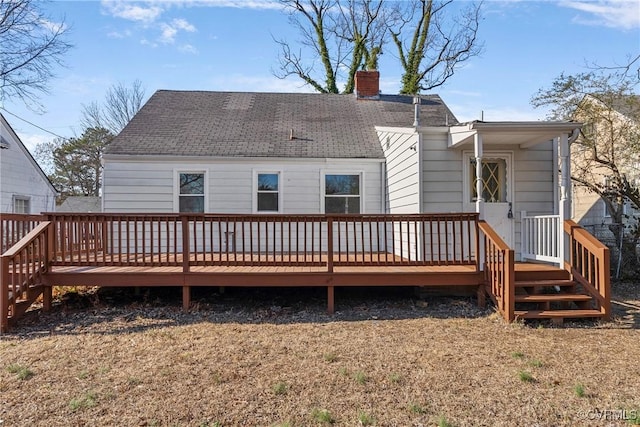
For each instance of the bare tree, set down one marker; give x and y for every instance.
(31, 45)
(337, 38)
(605, 157)
(121, 103)
(432, 42)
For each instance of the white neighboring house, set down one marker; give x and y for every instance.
(24, 187)
(228, 152)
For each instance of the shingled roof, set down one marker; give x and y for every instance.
(237, 124)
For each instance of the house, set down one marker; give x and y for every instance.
(24, 187)
(610, 129)
(80, 204)
(254, 153)
(271, 189)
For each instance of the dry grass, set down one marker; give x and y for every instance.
(393, 365)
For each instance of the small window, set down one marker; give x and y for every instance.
(191, 196)
(606, 211)
(494, 189)
(268, 192)
(342, 194)
(21, 205)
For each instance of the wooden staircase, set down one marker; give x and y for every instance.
(547, 292)
(20, 303)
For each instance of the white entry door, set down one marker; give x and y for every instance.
(497, 177)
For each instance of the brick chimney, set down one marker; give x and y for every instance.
(367, 84)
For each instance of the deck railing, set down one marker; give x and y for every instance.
(264, 240)
(589, 265)
(20, 269)
(499, 269)
(540, 235)
(14, 227)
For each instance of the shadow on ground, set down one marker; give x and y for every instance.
(124, 310)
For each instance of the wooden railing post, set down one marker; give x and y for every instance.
(330, 244)
(186, 253)
(510, 285)
(47, 291)
(605, 283)
(4, 294)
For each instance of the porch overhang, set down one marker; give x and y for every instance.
(521, 134)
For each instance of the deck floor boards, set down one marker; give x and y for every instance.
(285, 270)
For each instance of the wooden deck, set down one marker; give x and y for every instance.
(206, 272)
(190, 250)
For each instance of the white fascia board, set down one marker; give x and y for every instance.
(223, 159)
(461, 135)
(413, 130)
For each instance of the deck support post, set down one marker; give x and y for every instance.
(4, 294)
(47, 297)
(482, 296)
(186, 297)
(330, 300)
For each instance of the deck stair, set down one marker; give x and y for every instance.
(23, 301)
(546, 292)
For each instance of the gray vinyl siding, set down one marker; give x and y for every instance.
(441, 175)
(402, 171)
(443, 180)
(534, 181)
(132, 185)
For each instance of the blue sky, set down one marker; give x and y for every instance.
(227, 45)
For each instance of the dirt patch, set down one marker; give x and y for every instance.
(263, 357)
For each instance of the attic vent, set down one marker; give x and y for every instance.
(239, 101)
(4, 144)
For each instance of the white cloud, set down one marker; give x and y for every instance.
(137, 12)
(145, 42)
(31, 140)
(187, 48)
(239, 4)
(170, 30)
(119, 34)
(623, 14)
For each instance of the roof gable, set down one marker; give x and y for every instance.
(15, 140)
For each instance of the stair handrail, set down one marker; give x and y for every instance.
(20, 266)
(14, 227)
(499, 270)
(589, 265)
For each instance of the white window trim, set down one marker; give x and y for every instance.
(254, 191)
(325, 172)
(605, 211)
(21, 198)
(176, 187)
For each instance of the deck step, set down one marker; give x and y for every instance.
(551, 314)
(543, 283)
(553, 298)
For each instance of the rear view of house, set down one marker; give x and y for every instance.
(272, 189)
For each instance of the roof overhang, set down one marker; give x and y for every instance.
(521, 134)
